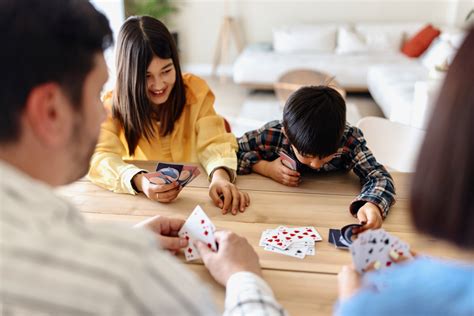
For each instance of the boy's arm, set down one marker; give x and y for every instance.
(259, 145)
(377, 184)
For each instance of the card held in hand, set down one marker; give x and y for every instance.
(167, 173)
(287, 160)
(375, 246)
(198, 226)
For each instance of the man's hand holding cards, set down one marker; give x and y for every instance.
(224, 253)
(198, 226)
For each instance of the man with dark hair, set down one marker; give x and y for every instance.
(314, 133)
(52, 262)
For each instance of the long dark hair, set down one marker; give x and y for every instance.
(140, 39)
(442, 194)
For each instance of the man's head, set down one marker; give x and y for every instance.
(314, 119)
(53, 71)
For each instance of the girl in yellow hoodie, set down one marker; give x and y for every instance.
(158, 113)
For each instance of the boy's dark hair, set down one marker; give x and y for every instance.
(442, 194)
(314, 119)
(45, 41)
(141, 38)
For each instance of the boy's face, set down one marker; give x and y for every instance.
(310, 161)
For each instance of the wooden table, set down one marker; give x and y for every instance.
(304, 287)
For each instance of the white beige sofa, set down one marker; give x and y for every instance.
(394, 86)
(342, 50)
(362, 57)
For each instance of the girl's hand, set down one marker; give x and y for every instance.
(226, 195)
(163, 193)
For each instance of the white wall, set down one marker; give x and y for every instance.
(114, 11)
(198, 21)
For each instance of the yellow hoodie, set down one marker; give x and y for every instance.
(198, 136)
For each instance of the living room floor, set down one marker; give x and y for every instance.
(246, 110)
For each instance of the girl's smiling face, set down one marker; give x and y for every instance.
(160, 79)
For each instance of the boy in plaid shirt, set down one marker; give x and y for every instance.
(314, 133)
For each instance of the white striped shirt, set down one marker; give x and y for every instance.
(53, 263)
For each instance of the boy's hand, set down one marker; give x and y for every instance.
(370, 216)
(278, 171)
(226, 195)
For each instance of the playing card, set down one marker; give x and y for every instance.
(375, 246)
(335, 239)
(171, 171)
(284, 240)
(292, 252)
(157, 177)
(287, 160)
(358, 250)
(198, 226)
(266, 233)
(188, 174)
(274, 240)
(289, 236)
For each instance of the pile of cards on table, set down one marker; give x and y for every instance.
(198, 226)
(167, 173)
(296, 242)
(375, 245)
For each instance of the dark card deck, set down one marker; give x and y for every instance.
(335, 239)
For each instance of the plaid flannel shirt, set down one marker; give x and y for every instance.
(268, 141)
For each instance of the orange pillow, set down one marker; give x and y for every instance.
(415, 46)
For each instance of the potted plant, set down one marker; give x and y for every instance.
(159, 9)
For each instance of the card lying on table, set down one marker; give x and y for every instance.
(168, 173)
(291, 241)
(198, 226)
(375, 246)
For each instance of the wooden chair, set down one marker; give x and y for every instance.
(228, 129)
(393, 144)
(292, 80)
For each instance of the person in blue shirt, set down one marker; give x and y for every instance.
(442, 206)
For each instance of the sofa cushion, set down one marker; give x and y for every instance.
(305, 38)
(393, 87)
(383, 37)
(415, 46)
(439, 51)
(264, 67)
(350, 42)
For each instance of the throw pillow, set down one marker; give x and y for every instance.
(349, 42)
(305, 39)
(415, 46)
